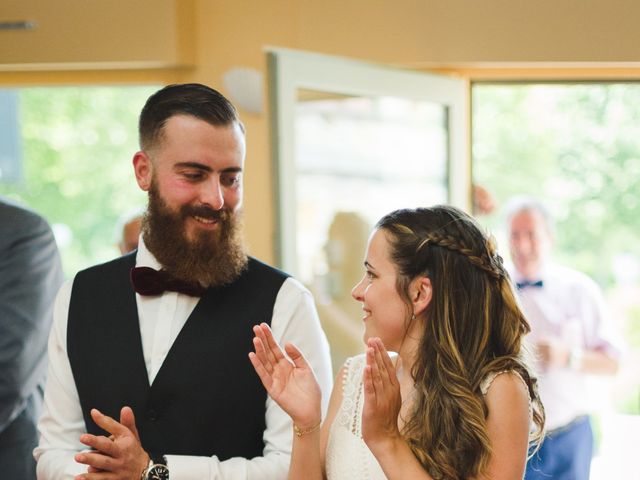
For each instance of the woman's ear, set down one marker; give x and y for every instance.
(421, 294)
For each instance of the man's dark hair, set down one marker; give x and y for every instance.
(192, 99)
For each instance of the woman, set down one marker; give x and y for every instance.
(456, 402)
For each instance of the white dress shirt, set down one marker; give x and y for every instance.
(570, 307)
(161, 319)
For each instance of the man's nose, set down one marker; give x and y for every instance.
(212, 193)
(520, 243)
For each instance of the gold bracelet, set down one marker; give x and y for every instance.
(300, 432)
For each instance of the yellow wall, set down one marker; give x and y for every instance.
(449, 35)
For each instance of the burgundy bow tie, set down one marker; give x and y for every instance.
(147, 281)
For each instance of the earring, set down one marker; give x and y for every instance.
(413, 316)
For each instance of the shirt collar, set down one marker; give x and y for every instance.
(542, 274)
(144, 258)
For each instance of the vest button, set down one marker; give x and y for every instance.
(152, 415)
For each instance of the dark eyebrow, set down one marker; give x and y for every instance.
(206, 168)
(368, 265)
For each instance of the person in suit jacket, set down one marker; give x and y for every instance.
(30, 276)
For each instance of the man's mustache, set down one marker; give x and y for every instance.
(204, 212)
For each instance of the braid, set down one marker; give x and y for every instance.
(482, 261)
(473, 326)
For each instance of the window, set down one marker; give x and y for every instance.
(77, 144)
(577, 147)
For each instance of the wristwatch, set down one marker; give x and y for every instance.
(157, 468)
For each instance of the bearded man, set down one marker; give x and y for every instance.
(149, 375)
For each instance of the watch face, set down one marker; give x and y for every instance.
(158, 472)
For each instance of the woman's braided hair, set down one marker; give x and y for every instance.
(473, 327)
(489, 260)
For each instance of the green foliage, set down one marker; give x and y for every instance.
(632, 333)
(577, 147)
(78, 144)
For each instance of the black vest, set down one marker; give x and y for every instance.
(206, 398)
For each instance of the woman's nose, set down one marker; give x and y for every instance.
(356, 292)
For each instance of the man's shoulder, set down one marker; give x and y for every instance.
(125, 262)
(258, 266)
(20, 217)
(568, 274)
(573, 280)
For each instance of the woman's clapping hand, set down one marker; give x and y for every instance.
(287, 377)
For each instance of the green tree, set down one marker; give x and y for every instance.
(78, 143)
(577, 147)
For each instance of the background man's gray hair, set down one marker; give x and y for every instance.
(527, 203)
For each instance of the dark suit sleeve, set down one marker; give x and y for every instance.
(30, 276)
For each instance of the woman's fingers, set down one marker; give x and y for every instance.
(369, 388)
(266, 348)
(261, 352)
(263, 374)
(270, 342)
(296, 356)
(376, 378)
(388, 364)
(383, 362)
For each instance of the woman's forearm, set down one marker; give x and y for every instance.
(306, 462)
(398, 461)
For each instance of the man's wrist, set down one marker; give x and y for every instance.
(156, 468)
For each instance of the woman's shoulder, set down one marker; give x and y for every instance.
(503, 380)
(353, 366)
(506, 391)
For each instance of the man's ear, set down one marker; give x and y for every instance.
(143, 169)
(421, 292)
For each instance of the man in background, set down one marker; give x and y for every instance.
(128, 231)
(149, 372)
(571, 336)
(30, 276)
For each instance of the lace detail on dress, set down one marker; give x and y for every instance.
(488, 380)
(348, 457)
(350, 415)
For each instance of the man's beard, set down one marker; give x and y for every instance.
(211, 258)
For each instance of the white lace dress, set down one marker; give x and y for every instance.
(348, 457)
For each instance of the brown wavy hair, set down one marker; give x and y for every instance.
(474, 326)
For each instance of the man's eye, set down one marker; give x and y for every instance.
(230, 180)
(192, 176)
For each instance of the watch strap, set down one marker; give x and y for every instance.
(158, 458)
(156, 461)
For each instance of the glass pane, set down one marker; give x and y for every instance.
(76, 145)
(356, 159)
(577, 147)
